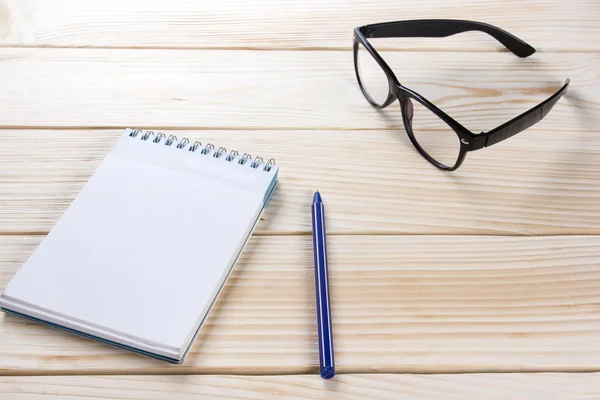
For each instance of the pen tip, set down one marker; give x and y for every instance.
(327, 373)
(317, 197)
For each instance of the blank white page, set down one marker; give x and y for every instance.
(143, 247)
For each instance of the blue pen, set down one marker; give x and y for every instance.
(326, 363)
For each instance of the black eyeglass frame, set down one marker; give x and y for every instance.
(469, 141)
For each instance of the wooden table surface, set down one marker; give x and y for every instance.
(482, 283)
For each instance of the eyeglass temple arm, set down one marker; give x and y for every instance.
(444, 28)
(525, 120)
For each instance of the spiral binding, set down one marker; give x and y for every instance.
(161, 138)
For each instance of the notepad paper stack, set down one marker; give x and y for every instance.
(141, 255)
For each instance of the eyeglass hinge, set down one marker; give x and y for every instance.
(369, 32)
(477, 142)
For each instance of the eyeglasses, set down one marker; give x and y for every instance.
(428, 127)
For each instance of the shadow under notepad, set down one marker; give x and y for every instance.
(207, 331)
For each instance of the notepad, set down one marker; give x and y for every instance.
(141, 255)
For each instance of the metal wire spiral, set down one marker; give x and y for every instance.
(232, 156)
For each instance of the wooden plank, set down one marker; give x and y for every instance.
(550, 25)
(399, 303)
(281, 89)
(348, 387)
(537, 183)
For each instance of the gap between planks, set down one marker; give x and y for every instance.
(366, 233)
(348, 387)
(307, 48)
(183, 371)
(194, 128)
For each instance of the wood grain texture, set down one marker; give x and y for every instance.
(399, 303)
(298, 387)
(282, 89)
(549, 25)
(373, 182)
